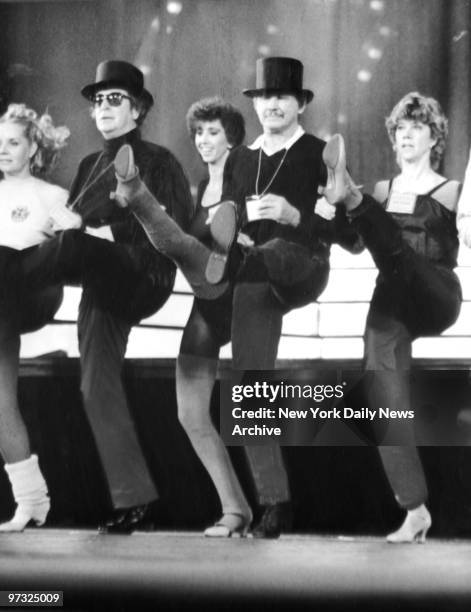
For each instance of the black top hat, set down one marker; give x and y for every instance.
(283, 74)
(116, 73)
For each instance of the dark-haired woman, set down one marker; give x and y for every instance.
(216, 127)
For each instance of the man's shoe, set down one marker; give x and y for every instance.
(223, 231)
(275, 519)
(126, 520)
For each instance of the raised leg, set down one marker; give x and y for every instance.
(190, 255)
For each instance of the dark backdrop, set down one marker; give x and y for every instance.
(360, 57)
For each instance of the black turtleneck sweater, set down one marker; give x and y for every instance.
(163, 176)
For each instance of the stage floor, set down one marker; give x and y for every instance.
(181, 570)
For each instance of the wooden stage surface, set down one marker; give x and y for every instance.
(183, 571)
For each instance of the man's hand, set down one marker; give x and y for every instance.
(244, 240)
(277, 208)
(324, 209)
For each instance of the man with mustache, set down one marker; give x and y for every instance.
(281, 261)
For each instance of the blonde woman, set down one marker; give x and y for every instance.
(31, 211)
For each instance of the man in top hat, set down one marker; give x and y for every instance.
(124, 278)
(284, 263)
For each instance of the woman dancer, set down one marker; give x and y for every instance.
(31, 210)
(413, 239)
(215, 127)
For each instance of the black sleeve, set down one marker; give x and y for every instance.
(345, 234)
(228, 192)
(337, 231)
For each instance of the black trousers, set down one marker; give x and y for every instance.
(413, 297)
(116, 295)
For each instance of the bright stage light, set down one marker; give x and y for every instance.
(364, 76)
(385, 31)
(376, 5)
(374, 53)
(264, 50)
(174, 8)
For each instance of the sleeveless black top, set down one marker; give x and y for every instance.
(431, 229)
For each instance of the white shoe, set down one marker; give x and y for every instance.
(229, 525)
(414, 528)
(36, 514)
(30, 493)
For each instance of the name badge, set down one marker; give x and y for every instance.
(403, 203)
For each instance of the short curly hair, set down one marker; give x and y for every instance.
(416, 107)
(40, 130)
(211, 109)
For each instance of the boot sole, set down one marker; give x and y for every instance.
(223, 230)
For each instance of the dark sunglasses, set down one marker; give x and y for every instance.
(114, 98)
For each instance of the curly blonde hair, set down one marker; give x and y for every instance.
(416, 107)
(40, 130)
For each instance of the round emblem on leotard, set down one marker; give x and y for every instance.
(21, 213)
